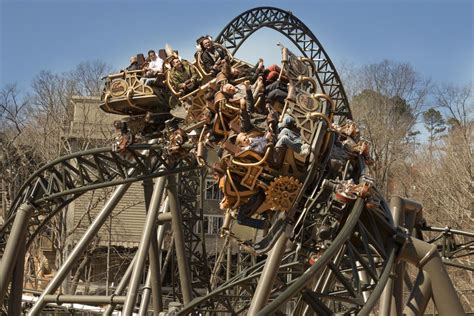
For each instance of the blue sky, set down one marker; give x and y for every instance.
(435, 36)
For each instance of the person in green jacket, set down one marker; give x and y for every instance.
(184, 78)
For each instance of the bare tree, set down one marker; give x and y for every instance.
(39, 127)
(386, 123)
(388, 98)
(52, 113)
(443, 179)
(349, 74)
(458, 102)
(88, 76)
(395, 79)
(17, 157)
(12, 110)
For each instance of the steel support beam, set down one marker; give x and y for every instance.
(12, 250)
(146, 293)
(302, 281)
(121, 286)
(153, 279)
(16, 291)
(178, 236)
(419, 296)
(80, 247)
(83, 299)
(405, 213)
(269, 273)
(144, 246)
(391, 296)
(426, 257)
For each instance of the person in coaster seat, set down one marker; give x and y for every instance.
(183, 76)
(288, 137)
(245, 91)
(246, 210)
(249, 139)
(273, 73)
(133, 64)
(250, 121)
(154, 68)
(211, 55)
(232, 74)
(257, 144)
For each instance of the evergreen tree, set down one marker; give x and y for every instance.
(434, 123)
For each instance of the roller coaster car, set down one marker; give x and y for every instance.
(245, 176)
(193, 97)
(126, 94)
(191, 87)
(249, 170)
(249, 173)
(280, 183)
(226, 116)
(234, 63)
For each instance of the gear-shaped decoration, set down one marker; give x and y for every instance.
(282, 192)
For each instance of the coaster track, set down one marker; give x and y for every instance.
(61, 181)
(284, 22)
(334, 253)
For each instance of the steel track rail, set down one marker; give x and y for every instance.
(456, 247)
(284, 22)
(342, 237)
(55, 185)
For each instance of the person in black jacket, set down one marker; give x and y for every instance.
(133, 64)
(212, 55)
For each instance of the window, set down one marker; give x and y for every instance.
(212, 190)
(217, 222)
(212, 224)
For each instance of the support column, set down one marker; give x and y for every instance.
(391, 301)
(269, 273)
(419, 296)
(121, 286)
(228, 268)
(16, 291)
(426, 257)
(155, 286)
(152, 283)
(80, 247)
(398, 213)
(178, 236)
(12, 250)
(144, 246)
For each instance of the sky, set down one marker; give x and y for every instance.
(434, 36)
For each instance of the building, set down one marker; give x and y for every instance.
(113, 248)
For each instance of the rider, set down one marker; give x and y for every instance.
(183, 76)
(154, 68)
(133, 64)
(288, 137)
(212, 55)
